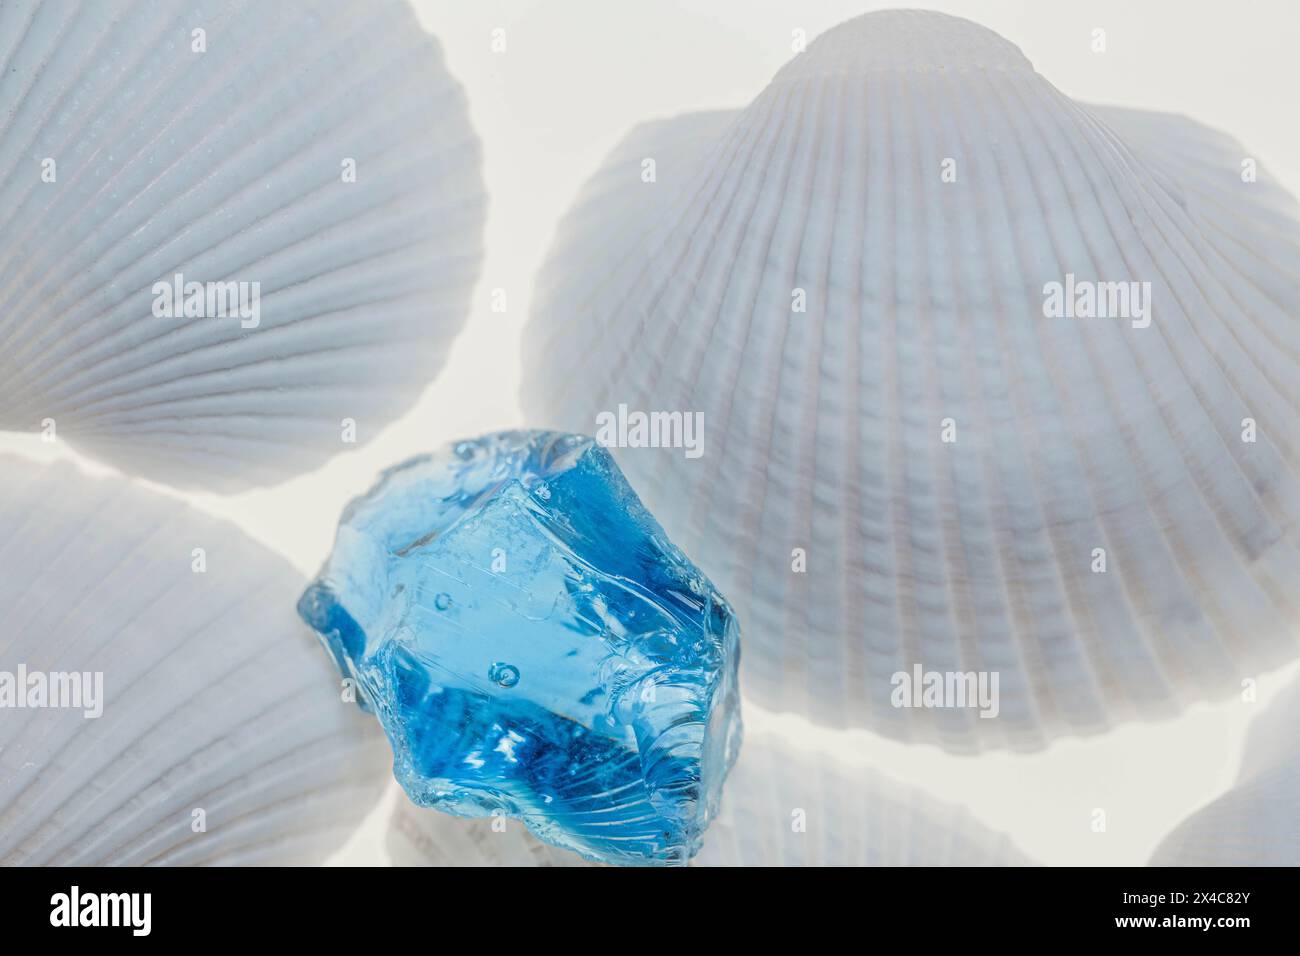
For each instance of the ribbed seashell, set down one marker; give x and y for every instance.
(783, 806)
(1257, 822)
(214, 697)
(129, 156)
(954, 465)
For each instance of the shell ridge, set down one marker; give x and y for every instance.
(1179, 548)
(68, 791)
(64, 840)
(33, 257)
(797, 388)
(663, 279)
(644, 265)
(33, 193)
(74, 136)
(963, 549)
(1074, 435)
(173, 140)
(102, 387)
(1231, 381)
(1040, 643)
(697, 352)
(1168, 528)
(265, 216)
(995, 553)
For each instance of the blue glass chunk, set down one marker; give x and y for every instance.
(533, 643)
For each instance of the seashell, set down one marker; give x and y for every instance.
(1254, 823)
(1067, 503)
(783, 806)
(129, 156)
(418, 836)
(213, 696)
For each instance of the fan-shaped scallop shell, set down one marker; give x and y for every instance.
(783, 806)
(1103, 514)
(319, 150)
(214, 698)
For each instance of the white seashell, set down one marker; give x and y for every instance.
(214, 697)
(421, 837)
(228, 165)
(782, 806)
(824, 430)
(1256, 822)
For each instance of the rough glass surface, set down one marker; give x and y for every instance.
(534, 644)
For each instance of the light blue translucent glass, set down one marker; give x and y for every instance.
(533, 643)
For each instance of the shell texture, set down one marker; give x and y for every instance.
(1257, 822)
(214, 697)
(948, 457)
(783, 806)
(129, 156)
